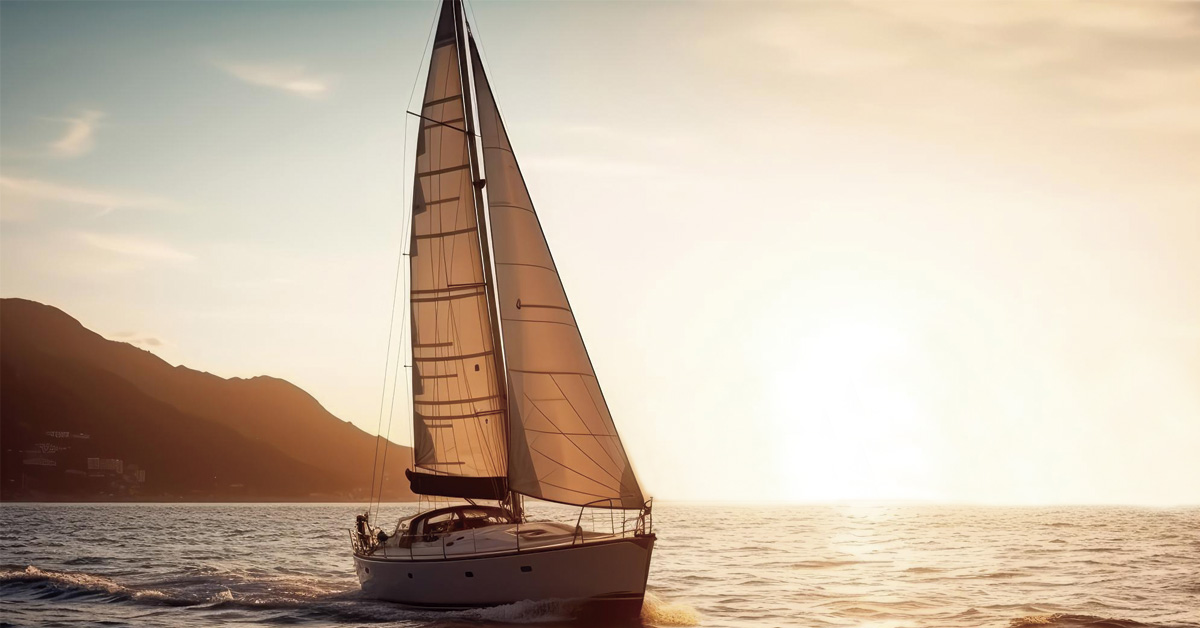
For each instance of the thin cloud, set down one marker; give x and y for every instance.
(20, 196)
(292, 79)
(135, 247)
(1121, 65)
(80, 135)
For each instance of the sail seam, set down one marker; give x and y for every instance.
(511, 206)
(553, 372)
(573, 443)
(534, 429)
(566, 468)
(549, 268)
(528, 320)
(607, 417)
(570, 490)
(580, 416)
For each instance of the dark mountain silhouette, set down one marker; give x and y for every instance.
(82, 417)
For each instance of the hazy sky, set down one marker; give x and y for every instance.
(818, 251)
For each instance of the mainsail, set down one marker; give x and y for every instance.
(534, 420)
(460, 435)
(563, 446)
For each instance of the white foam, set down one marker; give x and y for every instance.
(523, 612)
(71, 579)
(659, 612)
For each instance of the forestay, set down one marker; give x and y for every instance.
(563, 446)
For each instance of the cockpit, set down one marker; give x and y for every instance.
(429, 526)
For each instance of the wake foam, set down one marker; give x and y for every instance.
(304, 600)
(659, 612)
(73, 585)
(298, 599)
(67, 584)
(524, 612)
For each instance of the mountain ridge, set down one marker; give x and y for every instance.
(264, 417)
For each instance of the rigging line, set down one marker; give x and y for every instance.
(384, 386)
(437, 11)
(399, 361)
(405, 331)
(391, 414)
(395, 288)
(436, 123)
(487, 68)
(388, 350)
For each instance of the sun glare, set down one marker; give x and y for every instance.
(850, 424)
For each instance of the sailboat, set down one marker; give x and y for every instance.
(506, 405)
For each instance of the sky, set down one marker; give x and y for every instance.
(943, 251)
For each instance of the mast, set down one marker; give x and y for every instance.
(461, 36)
(460, 436)
(479, 183)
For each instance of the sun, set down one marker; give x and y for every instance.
(848, 412)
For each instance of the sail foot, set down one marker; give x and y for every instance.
(495, 488)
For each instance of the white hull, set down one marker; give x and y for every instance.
(610, 572)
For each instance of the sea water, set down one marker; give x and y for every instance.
(868, 566)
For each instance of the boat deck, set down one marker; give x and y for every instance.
(494, 539)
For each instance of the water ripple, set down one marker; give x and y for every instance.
(723, 566)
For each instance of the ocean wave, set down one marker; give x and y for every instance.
(68, 584)
(940, 568)
(827, 564)
(1078, 621)
(74, 585)
(298, 600)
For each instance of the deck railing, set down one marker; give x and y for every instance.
(641, 523)
(621, 523)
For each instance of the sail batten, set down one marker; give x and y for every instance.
(563, 447)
